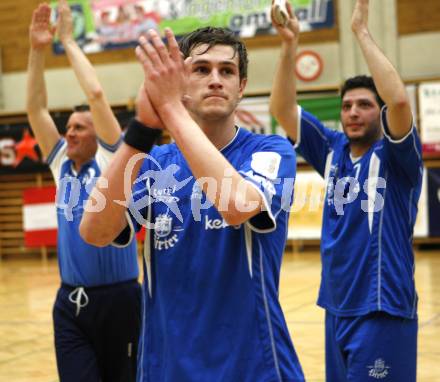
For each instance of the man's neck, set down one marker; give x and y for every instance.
(357, 150)
(78, 164)
(219, 132)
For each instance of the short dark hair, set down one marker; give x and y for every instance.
(216, 36)
(361, 82)
(81, 108)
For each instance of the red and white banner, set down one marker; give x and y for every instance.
(39, 217)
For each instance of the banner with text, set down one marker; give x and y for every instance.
(109, 24)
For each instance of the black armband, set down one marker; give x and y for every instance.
(141, 137)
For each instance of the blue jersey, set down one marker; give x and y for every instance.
(82, 264)
(369, 213)
(211, 309)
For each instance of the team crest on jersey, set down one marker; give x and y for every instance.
(379, 370)
(165, 235)
(163, 225)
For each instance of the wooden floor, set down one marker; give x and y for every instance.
(27, 291)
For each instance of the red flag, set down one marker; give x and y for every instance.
(39, 217)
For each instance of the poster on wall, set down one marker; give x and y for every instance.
(109, 24)
(83, 25)
(19, 151)
(253, 114)
(429, 111)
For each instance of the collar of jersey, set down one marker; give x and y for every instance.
(346, 146)
(82, 169)
(231, 142)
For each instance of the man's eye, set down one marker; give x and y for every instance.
(201, 69)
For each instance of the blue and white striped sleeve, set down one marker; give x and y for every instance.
(404, 154)
(105, 153)
(271, 170)
(56, 158)
(315, 141)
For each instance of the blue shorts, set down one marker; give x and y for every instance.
(374, 347)
(97, 331)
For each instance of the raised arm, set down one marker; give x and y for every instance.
(283, 95)
(101, 227)
(105, 122)
(388, 82)
(40, 36)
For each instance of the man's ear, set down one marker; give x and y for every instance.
(243, 83)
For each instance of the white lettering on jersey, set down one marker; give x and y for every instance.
(217, 224)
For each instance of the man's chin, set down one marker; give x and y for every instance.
(71, 154)
(355, 138)
(215, 112)
(362, 140)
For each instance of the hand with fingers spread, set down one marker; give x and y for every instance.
(65, 21)
(359, 19)
(290, 31)
(165, 70)
(40, 31)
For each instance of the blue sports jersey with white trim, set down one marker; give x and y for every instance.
(369, 214)
(82, 264)
(211, 309)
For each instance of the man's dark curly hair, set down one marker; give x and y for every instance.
(212, 36)
(361, 82)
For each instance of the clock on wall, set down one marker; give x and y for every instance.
(308, 65)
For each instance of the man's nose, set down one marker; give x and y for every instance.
(354, 111)
(215, 80)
